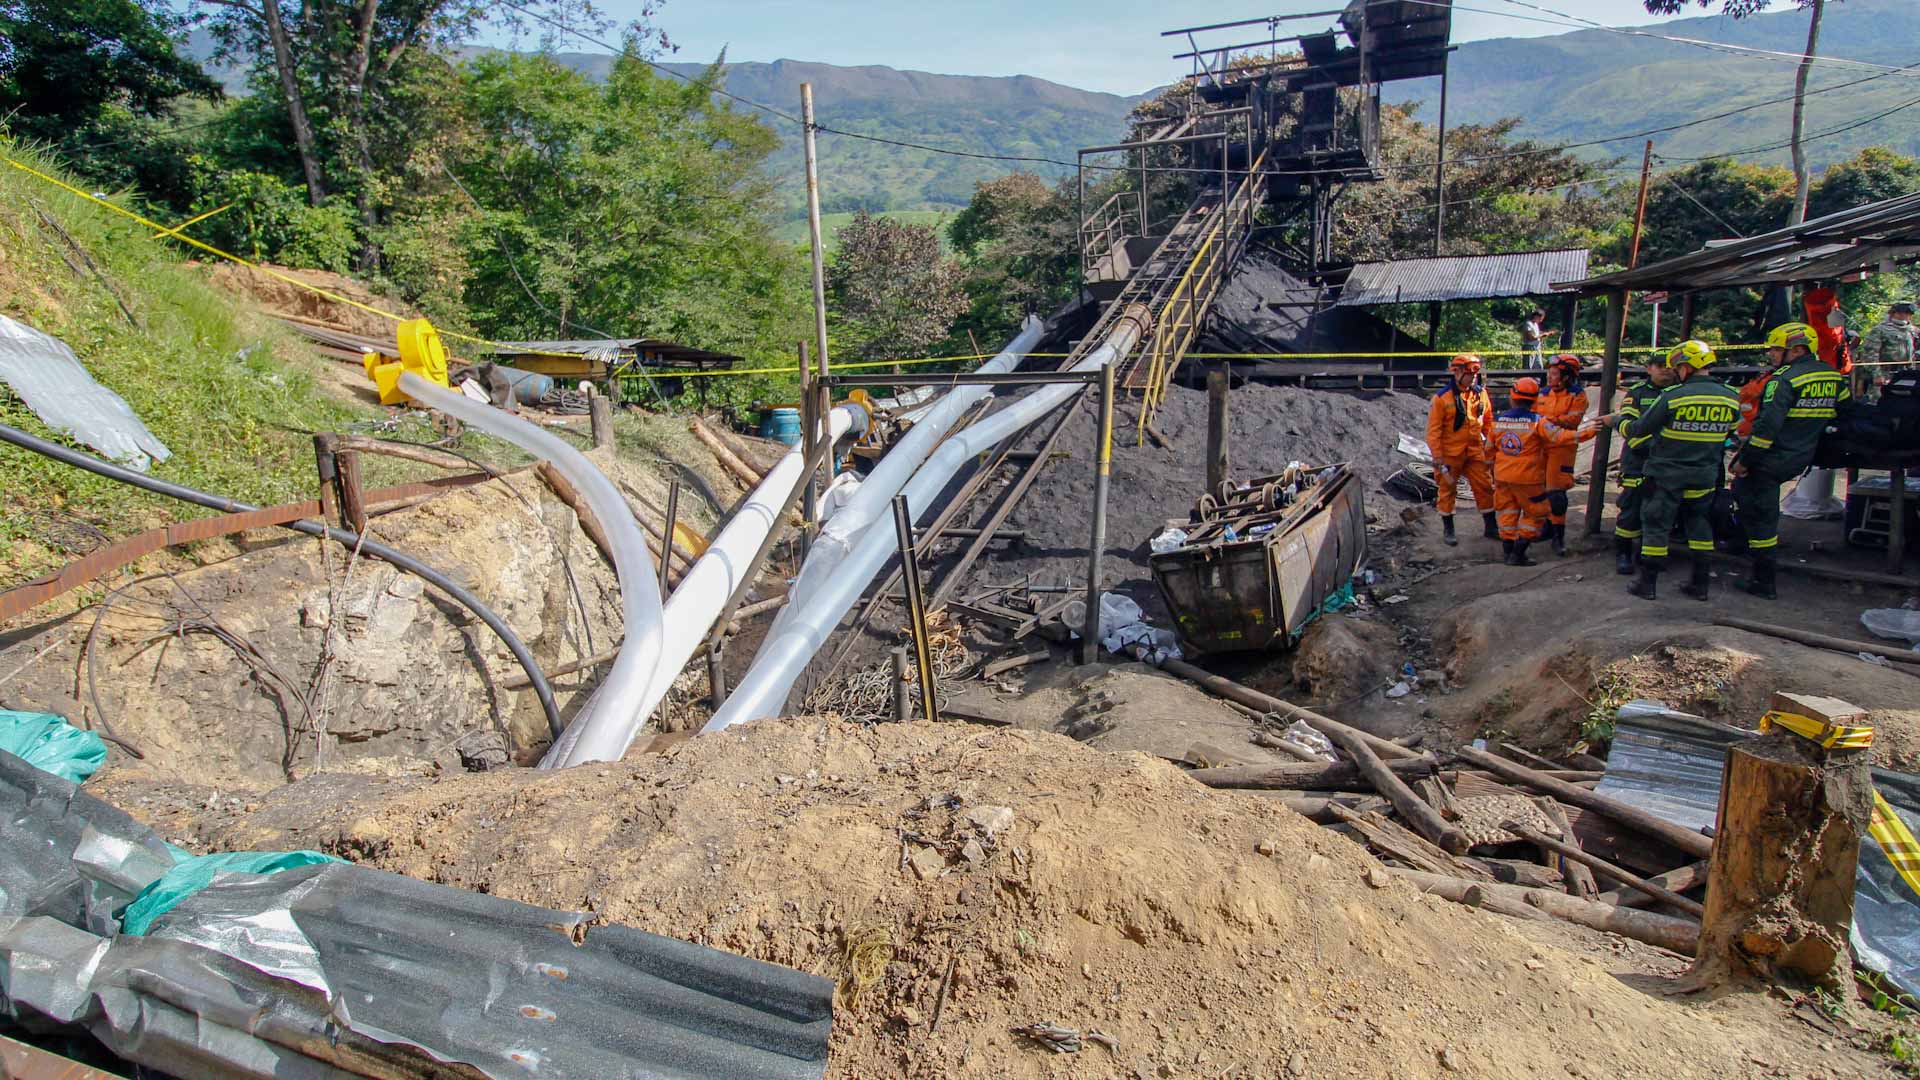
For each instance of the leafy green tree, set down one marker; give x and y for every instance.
(891, 293)
(636, 207)
(1016, 241)
(340, 70)
(1873, 174)
(1741, 9)
(91, 78)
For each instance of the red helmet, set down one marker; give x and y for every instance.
(1465, 364)
(1526, 389)
(1570, 363)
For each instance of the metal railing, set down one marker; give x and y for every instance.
(1102, 231)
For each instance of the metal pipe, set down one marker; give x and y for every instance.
(902, 708)
(813, 223)
(616, 701)
(406, 562)
(809, 619)
(916, 608)
(869, 503)
(673, 519)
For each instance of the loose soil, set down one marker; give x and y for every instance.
(1205, 934)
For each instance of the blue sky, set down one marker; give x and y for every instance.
(1111, 45)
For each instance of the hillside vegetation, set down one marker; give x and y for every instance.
(233, 398)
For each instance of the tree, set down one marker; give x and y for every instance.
(335, 65)
(633, 207)
(76, 72)
(1741, 9)
(1016, 242)
(892, 293)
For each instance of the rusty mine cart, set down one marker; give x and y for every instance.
(1261, 558)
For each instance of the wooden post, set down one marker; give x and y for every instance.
(1425, 819)
(325, 460)
(902, 704)
(353, 507)
(1609, 383)
(810, 492)
(1218, 381)
(717, 673)
(673, 519)
(1786, 847)
(916, 609)
(1097, 544)
(818, 249)
(600, 414)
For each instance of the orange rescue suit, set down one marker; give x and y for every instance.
(1819, 303)
(1565, 408)
(1459, 435)
(1750, 402)
(1522, 441)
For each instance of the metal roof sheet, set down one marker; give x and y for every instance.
(648, 351)
(1461, 277)
(1826, 247)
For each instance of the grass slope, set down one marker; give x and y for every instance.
(231, 396)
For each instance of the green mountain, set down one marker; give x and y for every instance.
(1592, 84)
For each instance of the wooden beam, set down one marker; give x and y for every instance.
(1683, 838)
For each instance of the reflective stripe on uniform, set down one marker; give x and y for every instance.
(1626, 534)
(1765, 542)
(1759, 443)
(1652, 551)
(1693, 436)
(1699, 545)
(1637, 442)
(1812, 412)
(1696, 493)
(1817, 376)
(1630, 481)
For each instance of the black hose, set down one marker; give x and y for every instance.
(343, 537)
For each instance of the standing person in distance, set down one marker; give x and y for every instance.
(1459, 432)
(1886, 348)
(1686, 432)
(1564, 403)
(1523, 444)
(1633, 457)
(1533, 337)
(1801, 398)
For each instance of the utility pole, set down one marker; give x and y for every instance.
(813, 231)
(1639, 221)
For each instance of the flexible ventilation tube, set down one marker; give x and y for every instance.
(619, 696)
(872, 501)
(789, 646)
(344, 537)
(696, 603)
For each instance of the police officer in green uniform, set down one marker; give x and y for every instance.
(1802, 397)
(1685, 431)
(1633, 457)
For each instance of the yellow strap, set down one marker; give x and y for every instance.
(1896, 841)
(1831, 736)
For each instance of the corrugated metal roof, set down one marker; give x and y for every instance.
(1461, 277)
(1826, 247)
(647, 351)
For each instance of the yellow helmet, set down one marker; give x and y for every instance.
(1787, 335)
(1692, 352)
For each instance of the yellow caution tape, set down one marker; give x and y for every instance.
(1831, 736)
(1897, 841)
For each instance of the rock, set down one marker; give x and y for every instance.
(928, 864)
(1266, 847)
(991, 820)
(1447, 1059)
(1297, 1064)
(1378, 877)
(972, 852)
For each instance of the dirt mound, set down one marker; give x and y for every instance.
(283, 298)
(1009, 878)
(1272, 425)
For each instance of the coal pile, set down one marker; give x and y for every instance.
(1271, 426)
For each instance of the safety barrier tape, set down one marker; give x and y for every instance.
(1831, 736)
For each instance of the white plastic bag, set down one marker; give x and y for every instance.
(1168, 540)
(1895, 624)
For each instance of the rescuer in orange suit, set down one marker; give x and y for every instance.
(1523, 440)
(1460, 437)
(1829, 323)
(1564, 403)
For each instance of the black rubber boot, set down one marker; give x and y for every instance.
(1622, 556)
(1702, 578)
(1506, 549)
(1559, 539)
(1492, 531)
(1760, 581)
(1520, 554)
(1649, 574)
(1447, 536)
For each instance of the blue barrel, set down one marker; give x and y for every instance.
(782, 424)
(529, 387)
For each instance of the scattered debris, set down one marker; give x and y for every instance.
(1059, 1039)
(52, 381)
